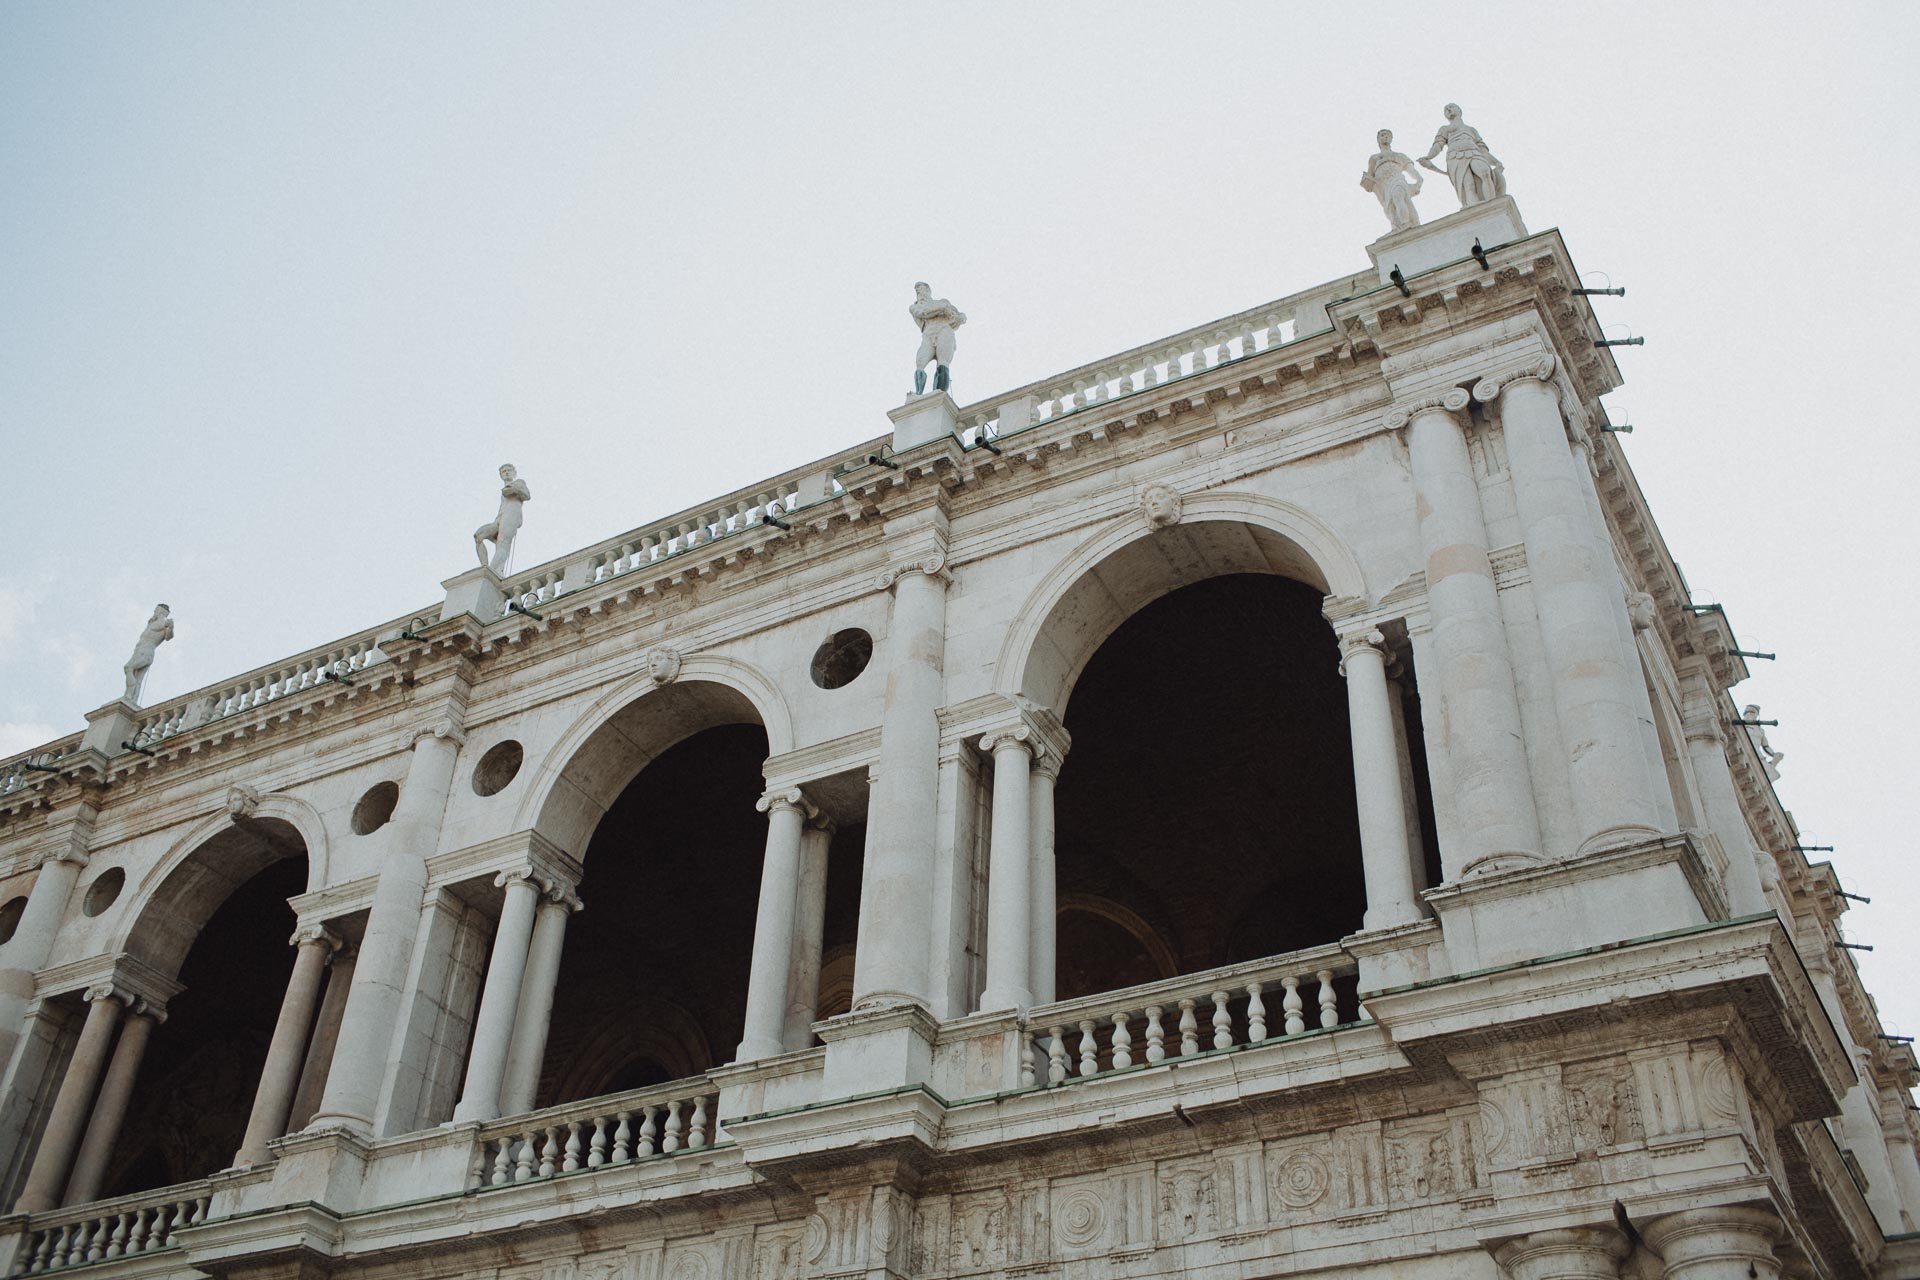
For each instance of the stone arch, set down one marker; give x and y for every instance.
(1128, 921)
(657, 1030)
(627, 727)
(1126, 565)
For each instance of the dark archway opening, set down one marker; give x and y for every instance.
(195, 1089)
(1206, 815)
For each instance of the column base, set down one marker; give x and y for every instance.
(878, 1049)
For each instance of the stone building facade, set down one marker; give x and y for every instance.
(1260, 804)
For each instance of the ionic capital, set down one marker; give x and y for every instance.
(445, 728)
(1353, 643)
(1539, 370)
(106, 991)
(561, 893)
(516, 875)
(315, 934)
(1018, 735)
(933, 566)
(782, 799)
(1450, 401)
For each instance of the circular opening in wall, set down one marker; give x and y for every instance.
(375, 808)
(840, 661)
(105, 888)
(498, 767)
(10, 919)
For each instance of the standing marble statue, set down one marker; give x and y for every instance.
(1769, 758)
(1386, 176)
(514, 494)
(1477, 176)
(159, 630)
(937, 319)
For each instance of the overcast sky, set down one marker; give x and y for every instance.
(282, 285)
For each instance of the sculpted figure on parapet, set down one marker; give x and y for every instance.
(937, 319)
(158, 631)
(1386, 176)
(514, 494)
(1477, 176)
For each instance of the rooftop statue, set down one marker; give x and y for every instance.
(1476, 174)
(1769, 758)
(159, 630)
(1386, 176)
(514, 494)
(937, 319)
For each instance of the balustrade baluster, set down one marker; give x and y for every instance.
(1291, 1005)
(597, 1145)
(623, 1138)
(697, 1130)
(1256, 1014)
(570, 1160)
(550, 1152)
(1029, 1048)
(670, 1142)
(1156, 1036)
(1089, 1048)
(1189, 1029)
(176, 1219)
(503, 1164)
(1056, 1055)
(137, 1237)
(57, 1257)
(162, 1227)
(1222, 1021)
(117, 1244)
(523, 1163)
(42, 1249)
(97, 1242)
(1329, 1014)
(648, 1132)
(82, 1245)
(1122, 1042)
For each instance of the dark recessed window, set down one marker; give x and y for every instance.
(101, 893)
(498, 767)
(840, 661)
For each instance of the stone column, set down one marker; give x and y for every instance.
(1480, 709)
(1010, 873)
(891, 964)
(500, 1000)
(110, 1108)
(286, 1052)
(773, 927)
(809, 930)
(1723, 1243)
(386, 951)
(325, 1038)
(1386, 856)
(1398, 685)
(528, 1051)
(1577, 593)
(71, 1106)
(1577, 1253)
(1723, 813)
(1045, 894)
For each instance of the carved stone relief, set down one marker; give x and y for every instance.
(1189, 1201)
(1420, 1160)
(1360, 1170)
(1242, 1189)
(1300, 1174)
(982, 1231)
(1082, 1216)
(1603, 1108)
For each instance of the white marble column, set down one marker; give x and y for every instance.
(286, 1052)
(325, 1038)
(1010, 872)
(1479, 708)
(1575, 1253)
(110, 1107)
(500, 1000)
(1045, 891)
(386, 951)
(1386, 855)
(1579, 597)
(891, 959)
(1720, 803)
(1722, 1243)
(773, 927)
(809, 932)
(528, 1051)
(73, 1104)
(1398, 684)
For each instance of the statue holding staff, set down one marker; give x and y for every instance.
(1477, 176)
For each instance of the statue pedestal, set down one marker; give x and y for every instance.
(923, 419)
(110, 726)
(1448, 239)
(479, 592)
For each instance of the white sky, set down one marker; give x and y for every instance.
(282, 285)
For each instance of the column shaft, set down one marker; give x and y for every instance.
(1009, 876)
(323, 1042)
(1579, 597)
(110, 1109)
(71, 1107)
(286, 1052)
(499, 1002)
(528, 1051)
(809, 930)
(773, 927)
(1480, 709)
(1045, 895)
(891, 958)
(1385, 854)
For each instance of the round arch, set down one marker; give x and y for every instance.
(1125, 566)
(627, 727)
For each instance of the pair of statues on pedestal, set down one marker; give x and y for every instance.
(1477, 175)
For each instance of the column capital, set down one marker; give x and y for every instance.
(445, 727)
(1568, 1251)
(933, 565)
(1449, 402)
(316, 933)
(561, 893)
(1540, 369)
(517, 875)
(1352, 643)
(1018, 735)
(1736, 1233)
(107, 991)
(784, 798)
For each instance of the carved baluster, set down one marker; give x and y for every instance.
(57, 1255)
(157, 1233)
(137, 1236)
(597, 1145)
(697, 1129)
(1089, 1048)
(570, 1158)
(1329, 1014)
(200, 1210)
(1029, 1047)
(1291, 1006)
(1056, 1055)
(77, 1243)
(103, 1231)
(91, 1243)
(648, 1132)
(623, 1138)
(117, 1243)
(1189, 1029)
(670, 1143)
(1156, 1036)
(42, 1248)
(1222, 1022)
(1256, 1014)
(502, 1163)
(523, 1163)
(1173, 367)
(176, 1219)
(550, 1152)
(1122, 1042)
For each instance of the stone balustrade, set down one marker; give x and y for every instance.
(1233, 1007)
(18, 771)
(109, 1229)
(642, 1124)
